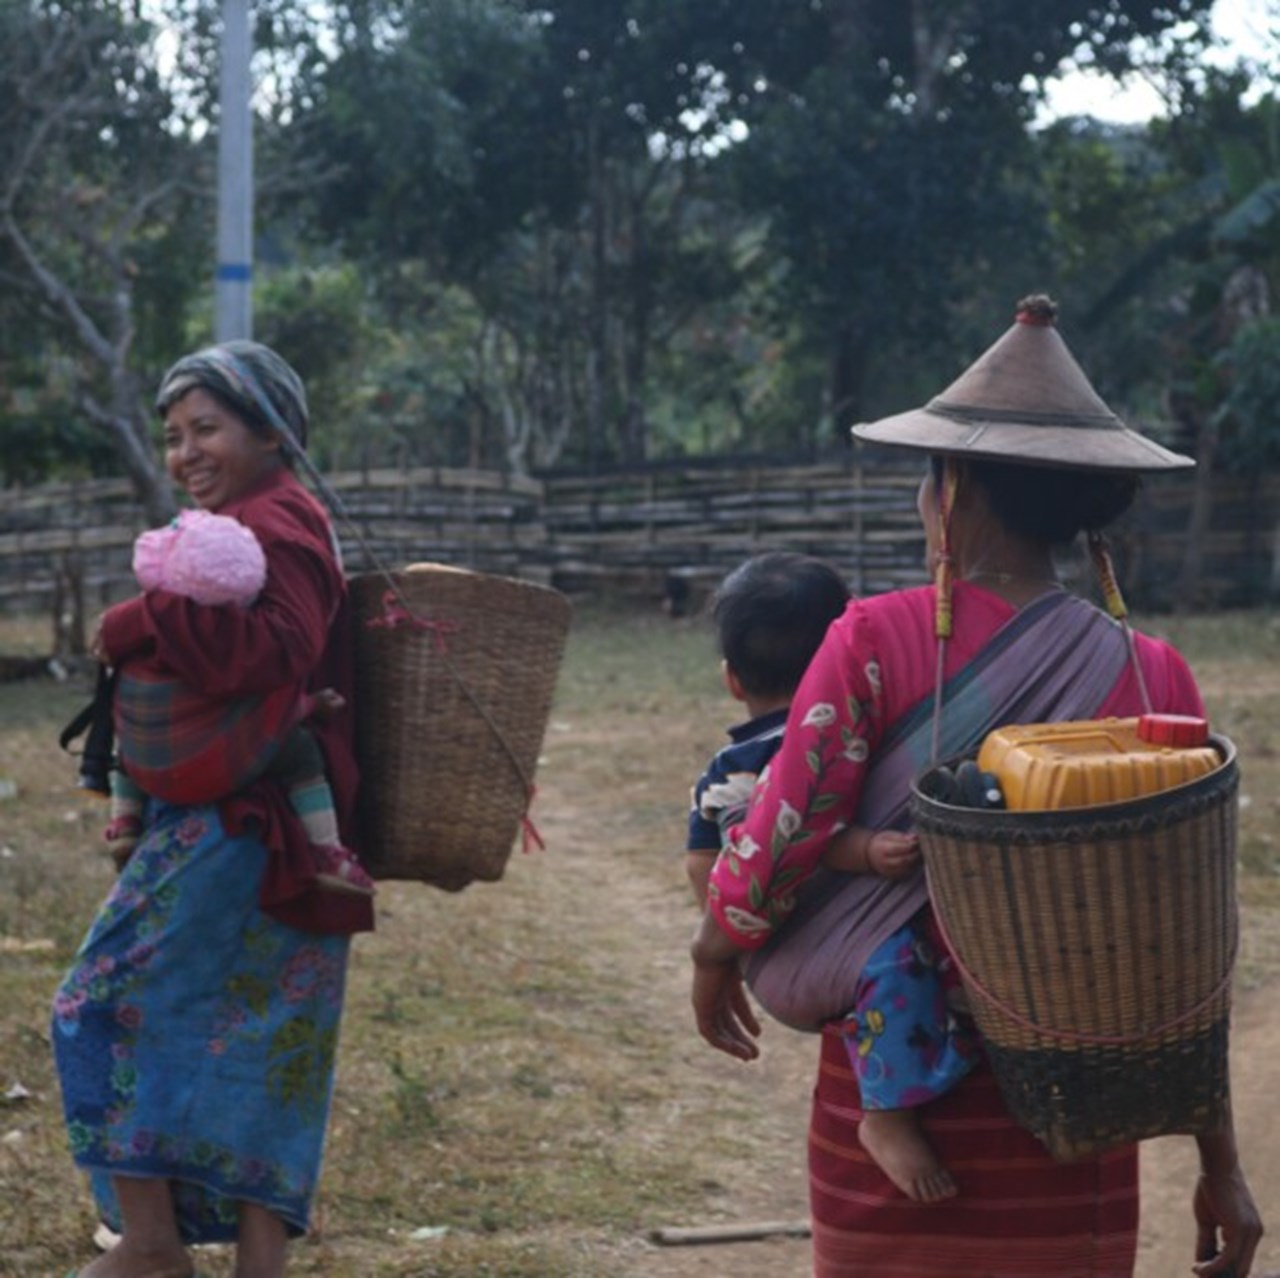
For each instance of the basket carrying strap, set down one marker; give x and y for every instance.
(397, 608)
(1057, 658)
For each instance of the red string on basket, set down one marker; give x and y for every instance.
(529, 831)
(394, 613)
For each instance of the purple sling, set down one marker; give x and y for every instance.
(1056, 659)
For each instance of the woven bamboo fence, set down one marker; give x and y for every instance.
(649, 530)
(67, 537)
(694, 522)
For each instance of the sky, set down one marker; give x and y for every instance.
(1250, 28)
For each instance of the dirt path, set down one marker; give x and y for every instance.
(1168, 1171)
(760, 1111)
(770, 1184)
(780, 1085)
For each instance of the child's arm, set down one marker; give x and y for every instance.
(697, 865)
(719, 800)
(889, 853)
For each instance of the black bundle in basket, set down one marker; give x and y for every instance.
(1096, 947)
(455, 673)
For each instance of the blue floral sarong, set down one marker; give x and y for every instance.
(195, 1036)
(906, 1043)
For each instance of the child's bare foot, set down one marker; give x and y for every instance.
(122, 836)
(895, 1141)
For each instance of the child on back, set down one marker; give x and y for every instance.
(218, 562)
(771, 614)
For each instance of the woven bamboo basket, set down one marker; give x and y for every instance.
(452, 707)
(1096, 947)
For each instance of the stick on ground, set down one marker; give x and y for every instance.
(747, 1232)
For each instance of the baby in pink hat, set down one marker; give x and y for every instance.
(217, 561)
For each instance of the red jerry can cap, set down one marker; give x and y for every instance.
(1177, 730)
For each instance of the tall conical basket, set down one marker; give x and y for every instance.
(455, 674)
(1096, 947)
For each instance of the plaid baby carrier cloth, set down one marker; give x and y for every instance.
(186, 747)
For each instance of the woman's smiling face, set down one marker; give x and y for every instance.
(212, 453)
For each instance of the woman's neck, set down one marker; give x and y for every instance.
(1012, 588)
(1017, 573)
(985, 552)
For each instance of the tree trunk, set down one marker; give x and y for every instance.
(1199, 519)
(106, 345)
(933, 41)
(597, 347)
(150, 483)
(69, 633)
(1275, 562)
(126, 421)
(848, 374)
(636, 341)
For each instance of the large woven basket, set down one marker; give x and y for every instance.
(452, 706)
(1096, 947)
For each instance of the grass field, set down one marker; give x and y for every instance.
(520, 1091)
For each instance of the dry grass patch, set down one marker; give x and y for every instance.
(520, 1091)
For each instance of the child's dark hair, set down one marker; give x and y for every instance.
(1049, 505)
(771, 614)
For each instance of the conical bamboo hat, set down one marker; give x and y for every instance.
(1025, 400)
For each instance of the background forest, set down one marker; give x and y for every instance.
(587, 233)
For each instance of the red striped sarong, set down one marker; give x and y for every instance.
(1018, 1214)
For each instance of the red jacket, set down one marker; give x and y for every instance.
(299, 631)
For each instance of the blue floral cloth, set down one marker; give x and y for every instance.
(195, 1036)
(906, 1041)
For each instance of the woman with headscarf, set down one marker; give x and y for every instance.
(196, 1031)
(1024, 455)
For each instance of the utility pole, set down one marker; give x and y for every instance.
(233, 308)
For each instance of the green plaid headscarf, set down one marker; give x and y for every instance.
(252, 380)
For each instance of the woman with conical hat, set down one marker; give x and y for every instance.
(1023, 456)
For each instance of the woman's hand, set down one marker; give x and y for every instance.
(720, 1005)
(1228, 1227)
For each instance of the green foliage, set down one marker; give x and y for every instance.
(96, 230)
(427, 114)
(316, 318)
(1251, 407)
(586, 231)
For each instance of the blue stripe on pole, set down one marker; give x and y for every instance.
(241, 272)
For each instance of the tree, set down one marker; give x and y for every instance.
(889, 150)
(93, 196)
(1206, 285)
(537, 186)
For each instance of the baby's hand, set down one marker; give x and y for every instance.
(892, 854)
(325, 703)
